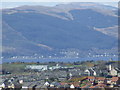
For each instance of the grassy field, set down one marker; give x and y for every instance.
(14, 68)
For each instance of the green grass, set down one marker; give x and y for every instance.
(14, 68)
(83, 84)
(74, 65)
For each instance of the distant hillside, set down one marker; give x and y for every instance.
(38, 29)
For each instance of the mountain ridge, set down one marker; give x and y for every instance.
(46, 29)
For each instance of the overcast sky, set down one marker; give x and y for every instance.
(60, 0)
(16, 3)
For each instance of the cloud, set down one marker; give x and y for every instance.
(60, 0)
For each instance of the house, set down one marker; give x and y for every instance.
(108, 80)
(115, 80)
(100, 86)
(72, 86)
(26, 85)
(101, 80)
(55, 67)
(55, 84)
(118, 71)
(32, 86)
(11, 83)
(74, 72)
(40, 85)
(91, 78)
(113, 72)
(76, 84)
(17, 84)
(90, 72)
(62, 78)
(46, 84)
(2, 86)
(87, 72)
(65, 85)
(7, 84)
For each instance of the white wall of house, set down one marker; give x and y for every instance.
(38, 67)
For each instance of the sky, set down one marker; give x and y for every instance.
(16, 3)
(60, 0)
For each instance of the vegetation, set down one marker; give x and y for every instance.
(14, 67)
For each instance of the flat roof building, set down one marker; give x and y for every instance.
(37, 67)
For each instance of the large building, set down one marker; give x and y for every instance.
(37, 67)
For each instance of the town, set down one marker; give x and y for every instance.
(49, 75)
(63, 45)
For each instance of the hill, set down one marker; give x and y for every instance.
(38, 29)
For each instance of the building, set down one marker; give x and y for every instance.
(115, 80)
(55, 67)
(46, 84)
(90, 72)
(115, 72)
(91, 78)
(101, 80)
(37, 67)
(72, 86)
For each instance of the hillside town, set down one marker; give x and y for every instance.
(76, 75)
(63, 45)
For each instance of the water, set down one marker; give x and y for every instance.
(60, 60)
